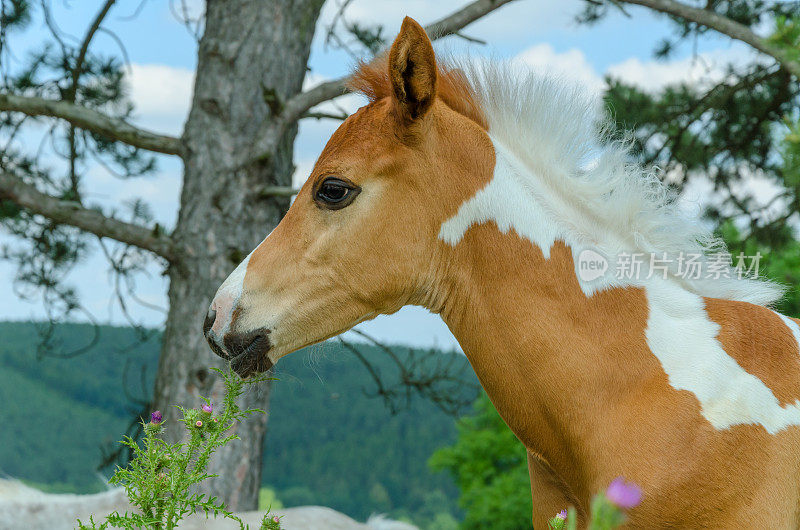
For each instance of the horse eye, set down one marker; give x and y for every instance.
(332, 192)
(335, 193)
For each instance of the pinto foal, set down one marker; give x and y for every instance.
(477, 193)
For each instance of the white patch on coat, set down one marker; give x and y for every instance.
(506, 202)
(682, 336)
(515, 200)
(557, 133)
(679, 331)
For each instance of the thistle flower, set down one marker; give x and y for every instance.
(276, 519)
(207, 407)
(559, 521)
(624, 494)
(158, 467)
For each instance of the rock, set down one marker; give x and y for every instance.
(23, 507)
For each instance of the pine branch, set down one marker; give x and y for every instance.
(71, 213)
(92, 120)
(297, 106)
(77, 69)
(724, 25)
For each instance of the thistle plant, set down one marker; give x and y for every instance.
(161, 479)
(607, 510)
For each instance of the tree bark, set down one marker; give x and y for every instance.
(252, 57)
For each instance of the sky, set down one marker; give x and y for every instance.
(539, 34)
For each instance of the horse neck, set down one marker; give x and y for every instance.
(558, 365)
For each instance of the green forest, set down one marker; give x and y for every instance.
(328, 441)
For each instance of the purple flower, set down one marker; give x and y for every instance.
(624, 494)
(207, 407)
(562, 515)
(155, 416)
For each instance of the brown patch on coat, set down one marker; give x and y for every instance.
(574, 378)
(761, 344)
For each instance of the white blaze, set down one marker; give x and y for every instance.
(227, 298)
(229, 293)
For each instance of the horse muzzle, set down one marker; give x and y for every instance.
(247, 352)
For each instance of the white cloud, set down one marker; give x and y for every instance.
(514, 22)
(313, 79)
(390, 13)
(570, 65)
(519, 22)
(653, 75)
(160, 190)
(701, 69)
(162, 96)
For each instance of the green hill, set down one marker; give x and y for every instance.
(328, 443)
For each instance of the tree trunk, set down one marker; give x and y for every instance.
(252, 56)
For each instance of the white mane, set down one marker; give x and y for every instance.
(559, 133)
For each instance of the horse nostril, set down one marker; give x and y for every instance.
(248, 351)
(209, 321)
(237, 343)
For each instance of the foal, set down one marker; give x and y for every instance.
(490, 199)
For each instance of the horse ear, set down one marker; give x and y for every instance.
(412, 71)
